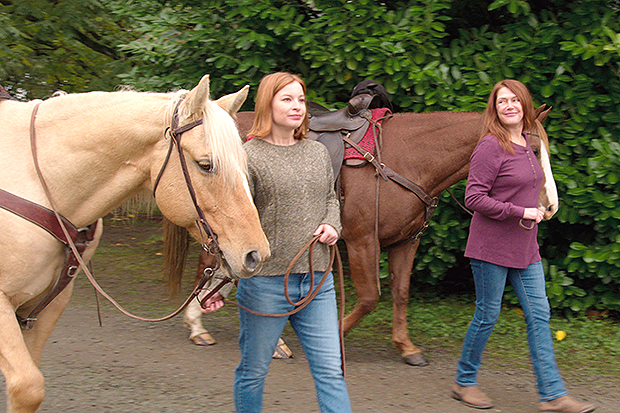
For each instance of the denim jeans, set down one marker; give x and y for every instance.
(529, 285)
(316, 327)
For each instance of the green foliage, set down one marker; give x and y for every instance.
(65, 45)
(429, 58)
(429, 54)
(570, 61)
(236, 42)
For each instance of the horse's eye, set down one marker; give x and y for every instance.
(207, 165)
(536, 152)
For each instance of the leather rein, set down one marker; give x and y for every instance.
(304, 301)
(387, 173)
(77, 240)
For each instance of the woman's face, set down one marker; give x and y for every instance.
(288, 106)
(509, 110)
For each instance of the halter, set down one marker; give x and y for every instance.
(175, 132)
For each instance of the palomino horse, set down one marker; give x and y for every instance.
(432, 150)
(94, 151)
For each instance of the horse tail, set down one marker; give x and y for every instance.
(176, 248)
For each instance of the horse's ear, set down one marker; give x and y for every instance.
(196, 98)
(541, 113)
(232, 103)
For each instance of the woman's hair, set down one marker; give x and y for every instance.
(267, 89)
(491, 125)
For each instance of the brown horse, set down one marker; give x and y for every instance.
(432, 150)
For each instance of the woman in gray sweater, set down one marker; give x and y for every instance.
(291, 182)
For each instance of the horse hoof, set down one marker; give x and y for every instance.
(204, 339)
(415, 359)
(282, 351)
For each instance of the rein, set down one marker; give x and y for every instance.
(65, 226)
(386, 173)
(303, 302)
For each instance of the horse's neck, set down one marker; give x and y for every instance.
(433, 149)
(106, 142)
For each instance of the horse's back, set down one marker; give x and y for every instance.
(431, 149)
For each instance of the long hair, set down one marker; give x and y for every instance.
(267, 89)
(490, 120)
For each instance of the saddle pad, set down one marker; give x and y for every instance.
(368, 141)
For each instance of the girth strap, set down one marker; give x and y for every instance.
(430, 202)
(46, 219)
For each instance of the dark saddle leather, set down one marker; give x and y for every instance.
(352, 121)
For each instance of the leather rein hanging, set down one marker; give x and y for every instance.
(387, 173)
(304, 301)
(77, 240)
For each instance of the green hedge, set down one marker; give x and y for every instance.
(430, 56)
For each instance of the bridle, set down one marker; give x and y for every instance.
(210, 244)
(175, 131)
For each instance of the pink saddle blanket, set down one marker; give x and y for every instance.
(368, 141)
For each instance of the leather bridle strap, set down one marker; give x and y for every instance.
(175, 132)
(75, 251)
(431, 202)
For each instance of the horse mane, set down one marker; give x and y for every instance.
(229, 158)
(539, 129)
(228, 155)
(176, 249)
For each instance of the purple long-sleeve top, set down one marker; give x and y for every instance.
(499, 188)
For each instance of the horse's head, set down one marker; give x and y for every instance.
(548, 200)
(216, 169)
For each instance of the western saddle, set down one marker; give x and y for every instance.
(348, 124)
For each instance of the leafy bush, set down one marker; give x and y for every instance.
(430, 56)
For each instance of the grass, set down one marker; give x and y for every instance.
(128, 264)
(438, 325)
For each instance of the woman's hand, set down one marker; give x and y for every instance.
(329, 235)
(214, 303)
(534, 214)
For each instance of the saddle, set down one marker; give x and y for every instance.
(350, 122)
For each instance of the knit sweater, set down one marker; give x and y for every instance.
(499, 188)
(294, 193)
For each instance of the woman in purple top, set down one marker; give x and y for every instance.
(502, 189)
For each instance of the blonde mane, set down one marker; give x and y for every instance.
(228, 155)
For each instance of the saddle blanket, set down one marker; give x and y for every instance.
(368, 141)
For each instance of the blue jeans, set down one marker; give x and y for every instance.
(529, 285)
(316, 327)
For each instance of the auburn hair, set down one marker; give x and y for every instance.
(491, 125)
(267, 89)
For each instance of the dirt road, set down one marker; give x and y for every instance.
(138, 367)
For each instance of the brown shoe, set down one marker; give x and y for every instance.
(566, 404)
(471, 396)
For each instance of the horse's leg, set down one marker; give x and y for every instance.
(362, 264)
(198, 334)
(24, 381)
(400, 262)
(192, 317)
(37, 336)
